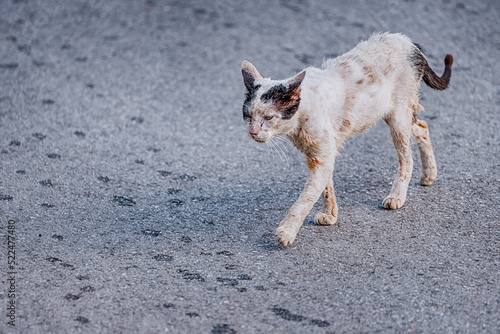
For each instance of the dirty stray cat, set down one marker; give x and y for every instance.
(318, 109)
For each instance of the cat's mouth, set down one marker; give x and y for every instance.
(258, 138)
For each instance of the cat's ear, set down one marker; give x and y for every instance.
(294, 83)
(250, 74)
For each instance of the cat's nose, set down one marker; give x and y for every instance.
(254, 132)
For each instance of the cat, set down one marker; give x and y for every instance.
(319, 108)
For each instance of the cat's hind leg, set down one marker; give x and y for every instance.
(400, 124)
(330, 208)
(429, 168)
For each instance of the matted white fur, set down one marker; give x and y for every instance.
(322, 107)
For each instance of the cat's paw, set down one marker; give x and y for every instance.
(428, 177)
(285, 235)
(325, 219)
(392, 203)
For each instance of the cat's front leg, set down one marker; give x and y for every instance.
(320, 172)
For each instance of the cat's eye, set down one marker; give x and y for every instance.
(268, 118)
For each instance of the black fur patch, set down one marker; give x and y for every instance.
(418, 61)
(275, 93)
(250, 96)
(287, 100)
(288, 113)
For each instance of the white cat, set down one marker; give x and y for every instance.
(318, 109)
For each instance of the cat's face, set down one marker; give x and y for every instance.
(270, 105)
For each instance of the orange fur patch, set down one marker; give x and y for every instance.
(313, 163)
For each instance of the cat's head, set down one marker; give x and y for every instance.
(270, 105)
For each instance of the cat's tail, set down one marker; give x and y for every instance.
(430, 78)
(442, 82)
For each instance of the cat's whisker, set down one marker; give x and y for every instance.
(270, 144)
(285, 141)
(279, 149)
(285, 153)
(274, 144)
(282, 144)
(244, 130)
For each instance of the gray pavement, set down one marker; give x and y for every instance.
(139, 204)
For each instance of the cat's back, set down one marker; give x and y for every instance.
(379, 50)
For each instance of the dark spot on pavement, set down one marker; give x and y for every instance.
(168, 305)
(227, 281)
(9, 66)
(225, 253)
(230, 266)
(82, 277)
(192, 314)
(90, 85)
(223, 329)
(39, 136)
(186, 177)
(70, 296)
(138, 119)
(47, 205)
(58, 237)
(153, 149)
(81, 59)
(191, 276)
(123, 201)
(244, 277)
(80, 134)
(172, 191)
(163, 257)
(185, 239)
(46, 183)
(67, 265)
(53, 259)
(151, 233)
(287, 315)
(260, 288)
(164, 173)
(21, 171)
(176, 202)
(15, 143)
(87, 288)
(24, 48)
(81, 319)
(6, 198)
(48, 101)
(208, 222)
(319, 323)
(199, 199)
(104, 179)
(140, 162)
(53, 156)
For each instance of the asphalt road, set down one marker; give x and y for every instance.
(139, 204)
